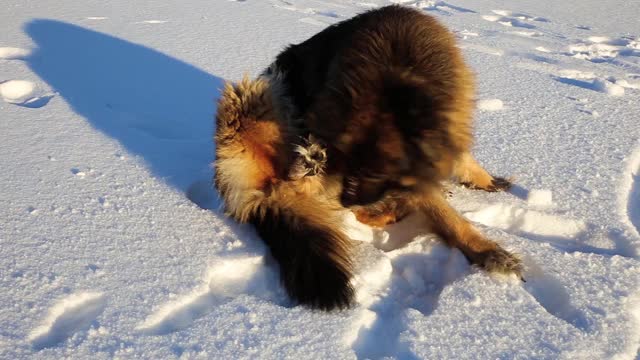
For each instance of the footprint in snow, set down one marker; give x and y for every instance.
(520, 16)
(152, 22)
(508, 18)
(507, 21)
(534, 221)
(253, 275)
(526, 221)
(287, 5)
(527, 34)
(23, 93)
(588, 80)
(440, 6)
(623, 51)
(70, 315)
(225, 280)
(13, 53)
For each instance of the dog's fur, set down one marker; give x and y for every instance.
(260, 173)
(389, 95)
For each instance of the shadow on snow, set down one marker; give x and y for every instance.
(156, 106)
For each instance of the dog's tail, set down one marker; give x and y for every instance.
(305, 237)
(302, 231)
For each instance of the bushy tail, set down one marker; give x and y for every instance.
(314, 254)
(302, 231)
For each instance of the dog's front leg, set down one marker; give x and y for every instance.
(458, 232)
(470, 173)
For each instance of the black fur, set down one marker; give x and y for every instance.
(314, 266)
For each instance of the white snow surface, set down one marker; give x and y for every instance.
(112, 244)
(490, 105)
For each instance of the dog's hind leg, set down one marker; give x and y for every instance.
(469, 173)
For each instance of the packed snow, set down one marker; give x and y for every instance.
(112, 241)
(490, 105)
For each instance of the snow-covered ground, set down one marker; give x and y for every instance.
(111, 244)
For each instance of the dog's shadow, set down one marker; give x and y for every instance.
(157, 107)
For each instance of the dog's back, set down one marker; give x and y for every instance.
(389, 90)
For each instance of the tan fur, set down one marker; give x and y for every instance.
(253, 151)
(467, 171)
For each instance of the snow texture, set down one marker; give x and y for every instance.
(113, 245)
(540, 198)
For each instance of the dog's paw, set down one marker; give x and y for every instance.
(501, 261)
(500, 184)
(496, 184)
(311, 159)
(374, 217)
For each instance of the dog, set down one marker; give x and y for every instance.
(386, 103)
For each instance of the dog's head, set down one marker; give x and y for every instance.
(382, 151)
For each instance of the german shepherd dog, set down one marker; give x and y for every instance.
(370, 114)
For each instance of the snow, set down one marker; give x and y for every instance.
(608, 87)
(540, 197)
(490, 105)
(15, 91)
(11, 53)
(72, 314)
(113, 244)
